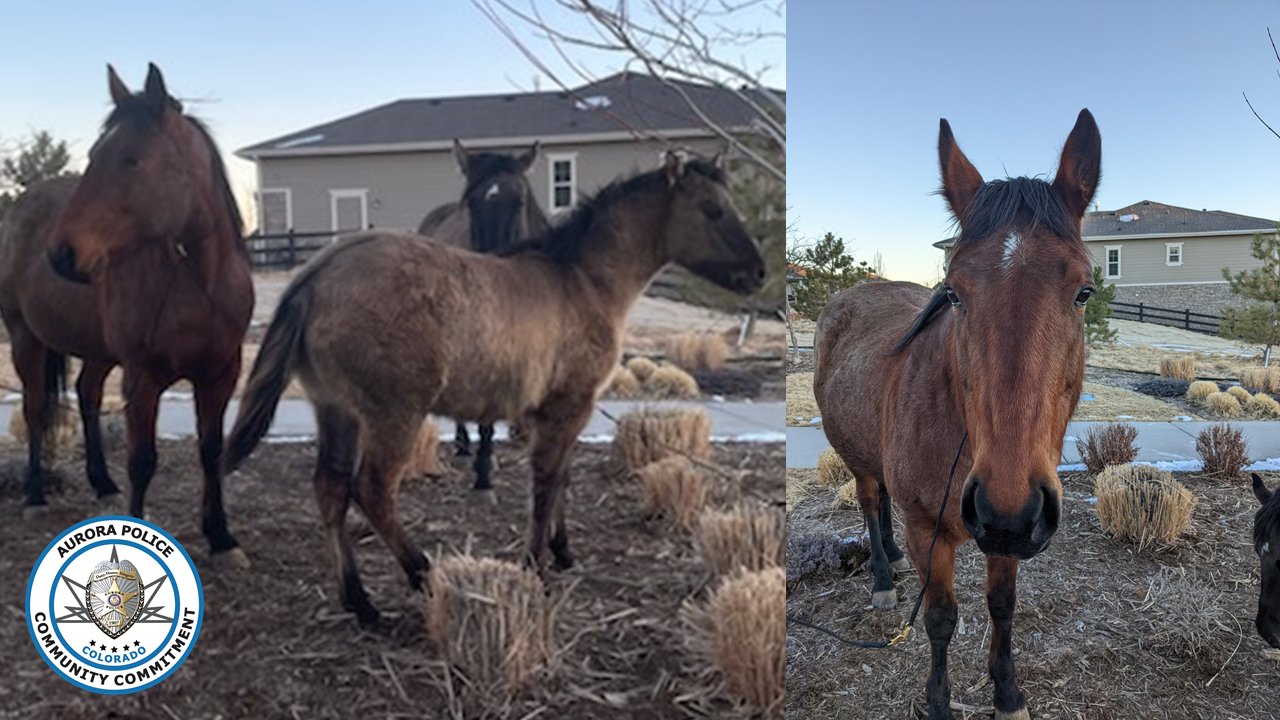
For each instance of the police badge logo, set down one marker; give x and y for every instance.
(114, 595)
(114, 604)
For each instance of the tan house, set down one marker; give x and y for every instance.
(1168, 256)
(389, 166)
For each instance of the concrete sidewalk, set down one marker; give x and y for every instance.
(1171, 445)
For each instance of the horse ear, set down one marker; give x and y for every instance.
(155, 91)
(1260, 489)
(526, 160)
(1081, 165)
(673, 166)
(460, 155)
(119, 91)
(960, 179)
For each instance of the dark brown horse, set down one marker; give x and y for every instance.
(154, 230)
(993, 363)
(1266, 541)
(497, 210)
(530, 335)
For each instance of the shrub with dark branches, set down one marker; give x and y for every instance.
(1110, 445)
(1163, 387)
(1223, 450)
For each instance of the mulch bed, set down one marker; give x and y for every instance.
(276, 644)
(1095, 637)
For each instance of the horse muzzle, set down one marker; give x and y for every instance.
(63, 260)
(1023, 534)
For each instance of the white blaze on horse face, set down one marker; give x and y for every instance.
(492, 192)
(1011, 243)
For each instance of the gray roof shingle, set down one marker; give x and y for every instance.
(1152, 218)
(614, 104)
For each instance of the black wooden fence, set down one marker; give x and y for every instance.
(285, 251)
(1185, 319)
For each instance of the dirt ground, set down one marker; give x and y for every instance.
(276, 644)
(1096, 635)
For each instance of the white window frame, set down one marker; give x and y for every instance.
(1106, 262)
(288, 207)
(552, 159)
(346, 193)
(1167, 248)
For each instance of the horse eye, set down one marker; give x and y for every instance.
(131, 162)
(1084, 296)
(952, 297)
(712, 211)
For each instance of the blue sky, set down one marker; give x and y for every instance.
(869, 81)
(256, 70)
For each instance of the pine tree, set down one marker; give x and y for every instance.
(41, 158)
(1096, 312)
(828, 269)
(1259, 321)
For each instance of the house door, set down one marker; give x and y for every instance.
(349, 210)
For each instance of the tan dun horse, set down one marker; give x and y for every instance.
(497, 210)
(155, 231)
(1266, 541)
(383, 328)
(987, 374)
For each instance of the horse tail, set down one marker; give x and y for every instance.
(271, 373)
(55, 387)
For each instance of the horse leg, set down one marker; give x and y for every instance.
(29, 358)
(1002, 595)
(142, 403)
(883, 593)
(897, 563)
(557, 430)
(336, 448)
(461, 440)
(484, 464)
(89, 384)
(940, 610)
(211, 405)
(385, 446)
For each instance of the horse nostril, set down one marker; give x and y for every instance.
(1051, 509)
(760, 274)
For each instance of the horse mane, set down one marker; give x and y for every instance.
(563, 242)
(136, 108)
(1266, 521)
(1012, 204)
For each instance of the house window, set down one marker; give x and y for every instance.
(563, 180)
(1173, 254)
(1112, 270)
(275, 211)
(348, 210)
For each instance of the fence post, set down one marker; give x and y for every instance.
(1186, 314)
(1140, 306)
(293, 250)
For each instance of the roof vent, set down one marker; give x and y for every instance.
(305, 140)
(593, 102)
(1130, 217)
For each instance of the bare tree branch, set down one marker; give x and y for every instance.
(1255, 114)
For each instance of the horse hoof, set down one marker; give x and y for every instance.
(111, 504)
(34, 512)
(233, 559)
(884, 599)
(485, 496)
(900, 565)
(1015, 715)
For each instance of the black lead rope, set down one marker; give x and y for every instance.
(928, 575)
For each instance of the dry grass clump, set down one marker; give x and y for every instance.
(1223, 450)
(1143, 504)
(1265, 379)
(1200, 390)
(832, 472)
(1178, 367)
(649, 434)
(740, 637)
(1224, 404)
(1187, 617)
(697, 351)
(623, 384)
(1110, 445)
(425, 459)
(642, 367)
(669, 381)
(493, 625)
(1240, 394)
(847, 495)
(1262, 405)
(64, 434)
(748, 537)
(674, 489)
